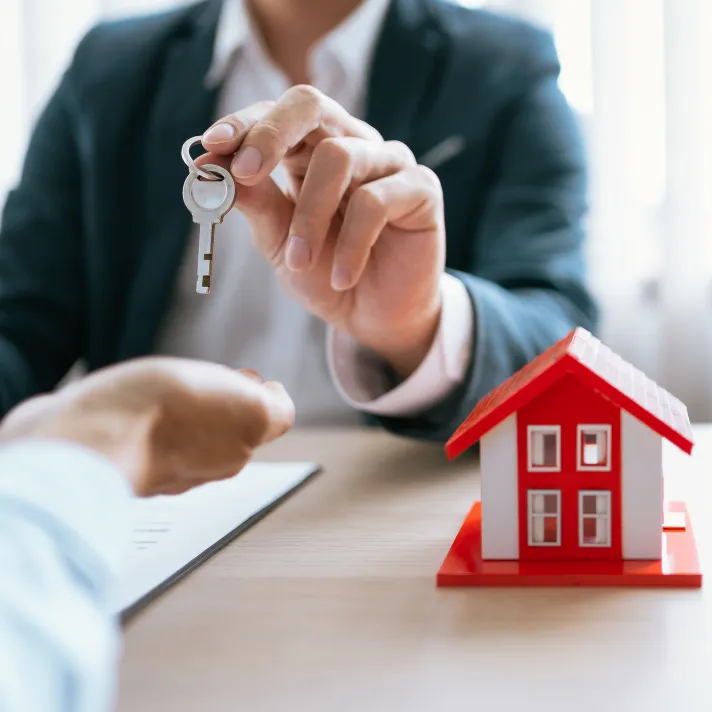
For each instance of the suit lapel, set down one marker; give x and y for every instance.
(182, 107)
(411, 38)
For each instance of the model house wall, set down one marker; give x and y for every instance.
(564, 412)
(642, 488)
(500, 500)
(633, 479)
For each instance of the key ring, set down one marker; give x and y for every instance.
(185, 154)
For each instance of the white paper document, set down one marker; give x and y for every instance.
(172, 535)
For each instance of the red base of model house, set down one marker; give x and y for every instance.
(679, 567)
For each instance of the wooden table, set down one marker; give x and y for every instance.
(330, 604)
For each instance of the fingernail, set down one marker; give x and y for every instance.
(220, 133)
(340, 278)
(252, 374)
(246, 163)
(298, 253)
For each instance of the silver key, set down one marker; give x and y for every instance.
(209, 201)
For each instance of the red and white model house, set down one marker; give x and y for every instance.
(571, 460)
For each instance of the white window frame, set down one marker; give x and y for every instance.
(544, 429)
(531, 515)
(592, 427)
(606, 517)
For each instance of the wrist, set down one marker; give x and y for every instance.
(404, 350)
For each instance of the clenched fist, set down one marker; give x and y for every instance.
(170, 424)
(359, 237)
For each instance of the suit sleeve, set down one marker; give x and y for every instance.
(41, 291)
(526, 279)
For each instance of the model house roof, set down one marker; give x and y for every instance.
(583, 355)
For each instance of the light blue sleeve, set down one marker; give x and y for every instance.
(64, 523)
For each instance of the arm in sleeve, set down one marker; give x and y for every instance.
(526, 278)
(64, 513)
(41, 291)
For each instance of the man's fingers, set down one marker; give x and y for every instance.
(412, 196)
(261, 410)
(336, 164)
(227, 414)
(225, 135)
(302, 114)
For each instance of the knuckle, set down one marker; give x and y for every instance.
(310, 98)
(334, 152)
(267, 135)
(431, 180)
(375, 134)
(246, 118)
(368, 200)
(370, 133)
(306, 94)
(241, 122)
(268, 130)
(403, 152)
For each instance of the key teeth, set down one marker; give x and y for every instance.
(203, 285)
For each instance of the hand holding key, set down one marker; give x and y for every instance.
(359, 239)
(209, 193)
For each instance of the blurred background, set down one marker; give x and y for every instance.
(639, 75)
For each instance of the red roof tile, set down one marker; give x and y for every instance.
(594, 363)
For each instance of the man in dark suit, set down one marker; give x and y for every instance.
(409, 173)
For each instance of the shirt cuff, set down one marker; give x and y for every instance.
(361, 377)
(80, 489)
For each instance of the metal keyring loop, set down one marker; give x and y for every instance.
(185, 154)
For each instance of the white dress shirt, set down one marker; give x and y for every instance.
(248, 320)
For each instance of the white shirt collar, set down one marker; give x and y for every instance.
(352, 42)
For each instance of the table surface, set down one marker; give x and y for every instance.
(330, 603)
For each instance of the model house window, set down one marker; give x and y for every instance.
(594, 447)
(544, 518)
(544, 448)
(594, 518)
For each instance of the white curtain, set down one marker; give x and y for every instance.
(638, 75)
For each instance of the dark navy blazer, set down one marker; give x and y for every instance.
(94, 233)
